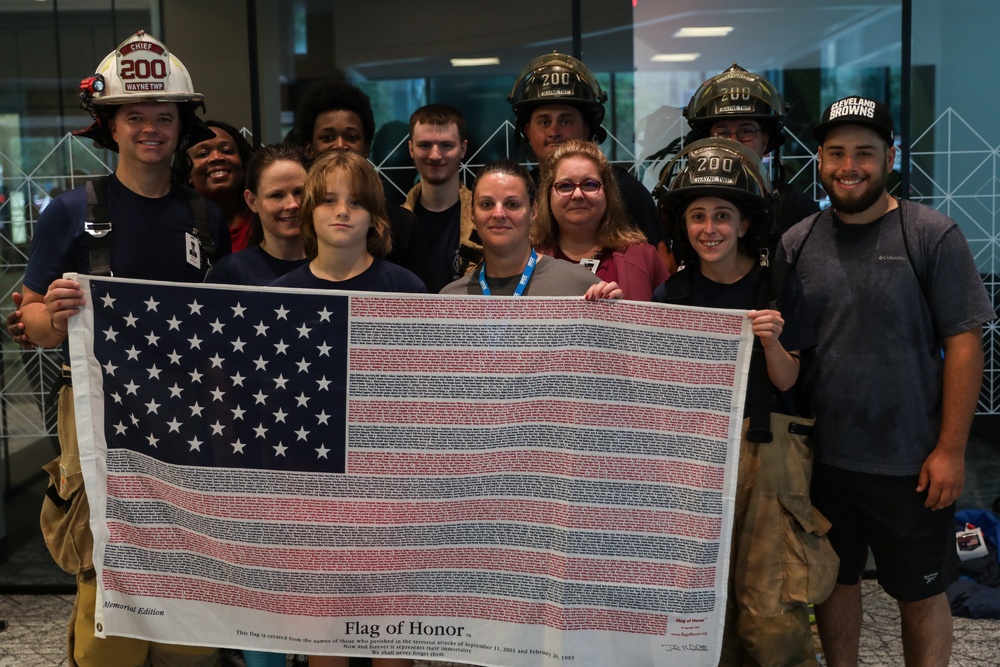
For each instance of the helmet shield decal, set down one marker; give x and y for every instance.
(710, 165)
(142, 66)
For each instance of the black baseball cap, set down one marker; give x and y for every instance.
(857, 111)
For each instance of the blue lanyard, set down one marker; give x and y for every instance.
(521, 284)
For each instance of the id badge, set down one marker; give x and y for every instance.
(193, 249)
(590, 263)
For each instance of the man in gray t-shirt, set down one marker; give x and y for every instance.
(889, 286)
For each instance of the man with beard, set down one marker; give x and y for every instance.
(442, 204)
(898, 306)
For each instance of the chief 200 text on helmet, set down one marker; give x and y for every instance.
(737, 94)
(716, 168)
(559, 79)
(140, 70)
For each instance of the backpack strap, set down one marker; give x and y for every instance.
(904, 208)
(793, 254)
(97, 224)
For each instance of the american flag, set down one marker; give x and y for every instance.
(451, 477)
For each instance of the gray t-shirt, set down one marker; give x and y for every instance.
(875, 383)
(551, 277)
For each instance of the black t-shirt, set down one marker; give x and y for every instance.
(252, 266)
(409, 249)
(441, 230)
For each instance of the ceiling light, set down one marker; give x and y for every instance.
(474, 62)
(675, 57)
(717, 31)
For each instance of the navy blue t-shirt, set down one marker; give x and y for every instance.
(381, 276)
(148, 237)
(797, 333)
(252, 266)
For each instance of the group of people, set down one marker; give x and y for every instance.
(867, 316)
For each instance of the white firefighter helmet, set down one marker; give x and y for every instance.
(141, 69)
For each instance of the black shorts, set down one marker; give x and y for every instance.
(914, 547)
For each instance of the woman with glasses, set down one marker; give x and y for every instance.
(582, 220)
(503, 210)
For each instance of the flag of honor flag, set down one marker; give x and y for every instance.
(495, 480)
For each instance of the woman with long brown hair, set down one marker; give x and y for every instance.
(581, 219)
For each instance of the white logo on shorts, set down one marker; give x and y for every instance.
(928, 578)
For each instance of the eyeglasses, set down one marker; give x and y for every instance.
(567, 188)
(742, 134)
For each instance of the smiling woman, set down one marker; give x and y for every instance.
(503, 209)
(717, 207)
(216, 169)
(275, 178)
(582, 219)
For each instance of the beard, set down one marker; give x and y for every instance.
(858, 202)
(439, 175)
(435, 180)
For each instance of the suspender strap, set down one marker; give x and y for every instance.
(56, 499)
(678, 288)
(98, 225)
(768, 285)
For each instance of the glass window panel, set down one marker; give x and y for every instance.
(46, 49)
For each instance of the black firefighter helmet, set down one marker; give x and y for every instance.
(720, 168)
(733, 95)
(555, 78)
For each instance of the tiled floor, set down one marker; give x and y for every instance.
(34, 636)
(36, 630)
